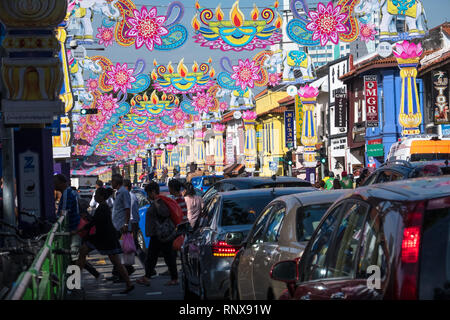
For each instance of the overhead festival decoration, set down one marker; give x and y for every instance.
(261, 30)
(346, 20)
(182, 80)
(238, 80)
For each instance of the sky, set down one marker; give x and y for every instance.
(438, 11)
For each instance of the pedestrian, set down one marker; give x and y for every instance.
(121, 215)
(346, 183)
(194, 204)
(320, 185)
(69, 203)
(336, 184)
(327, 175)
(175, 193)
(93, 204)
(362, 177)
(161, 233)
(134, 220)
(329, 182)
(104, 240)
(110, 192)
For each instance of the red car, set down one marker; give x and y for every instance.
(387, 241)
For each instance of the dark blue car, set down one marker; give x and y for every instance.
(203, 183)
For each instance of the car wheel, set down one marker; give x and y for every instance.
(141, 241)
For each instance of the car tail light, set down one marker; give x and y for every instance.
(410, 252)
(223, 249)
(410, 245)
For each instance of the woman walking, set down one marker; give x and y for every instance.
(194, 204)
(105, 238)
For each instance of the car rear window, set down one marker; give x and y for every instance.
(308, 218)
(429, 156)
(242, 210)
(196, 182)
(434, 281)
(283, 185)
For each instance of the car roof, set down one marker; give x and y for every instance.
(408, 190)
(266, 191)
(260, 180)
(323, 196)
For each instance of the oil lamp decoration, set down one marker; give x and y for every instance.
(261, 30)
(408, 57)
(147, 28)
(153, 105)
(308, 96)
(182, 80)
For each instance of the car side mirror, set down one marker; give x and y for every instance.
(285, 271)
(234, 238)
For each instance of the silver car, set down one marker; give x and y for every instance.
(280, 233)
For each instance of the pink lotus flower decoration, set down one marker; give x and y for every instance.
(308, 92)
(223, 106)
(92, 85)
(327, 22)
(246, 73)
(274, 79)
(408, 50)
(182, 140)
(147, 28)
(120, 77)
(203, 102)
(179, 116)
(170, 147)
(367, 32)
(107, 104)
(105, 36)
(249, 115)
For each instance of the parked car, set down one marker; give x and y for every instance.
(280, 233)
(401, 170)
(86, 192)
(203, 183)
(231, 184)
(206, 256)
(144, 204)
(386, 241)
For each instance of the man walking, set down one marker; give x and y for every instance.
(121, 213)
(161, 236)
(93, 204)
(346, 183)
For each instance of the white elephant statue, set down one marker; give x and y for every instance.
(412, 10)
(236, 96)
(274, 63)
(77, 68)
(80, 23)
(297, 60)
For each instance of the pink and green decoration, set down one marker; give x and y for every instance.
(145, 27)
(260, 30)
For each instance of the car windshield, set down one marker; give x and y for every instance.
(434, 279)
(308, 218)
(242, 210)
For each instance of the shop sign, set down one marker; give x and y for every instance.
(371, 94)
(289, 128)
(440, 98)
(340, 114)
(375, 150)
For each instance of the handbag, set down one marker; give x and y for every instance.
(128, 245)
(177, 243)
(84, 233)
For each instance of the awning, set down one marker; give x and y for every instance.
(321, 84)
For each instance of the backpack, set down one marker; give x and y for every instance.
(165, 229)
(176, 216)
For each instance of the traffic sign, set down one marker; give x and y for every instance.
(273, 166)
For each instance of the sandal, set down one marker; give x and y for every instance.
(172, 283)
(127, 290)
(143, 281)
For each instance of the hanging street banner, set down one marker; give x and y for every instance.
(440, 98)
(289, 128)
(298, 119)
(340, 105)
(371, 94)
